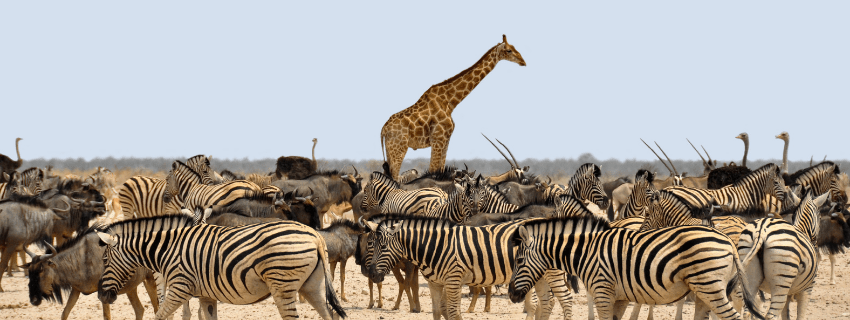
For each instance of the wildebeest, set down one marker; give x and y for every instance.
(328, 188)
(77, 266)
(341, 238)
(24, 220)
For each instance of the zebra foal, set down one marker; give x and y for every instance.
(238, 265)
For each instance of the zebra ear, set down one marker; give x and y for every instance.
(207, 213)
(187, 212)
(558, 202)
(820, 200)
(392, 230)
(524, 236)
(107, 238)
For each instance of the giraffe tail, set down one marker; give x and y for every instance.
(383, 154)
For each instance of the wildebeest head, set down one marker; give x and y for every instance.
(42, 274)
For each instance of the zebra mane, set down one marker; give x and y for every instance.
(793, 177)
(199, 159)
(384, 179)
(32, 173)
(497, 195)
(695, 212)
(151, 224)
(761, 171)
(412, 218)
(595, 223)
(343, 223)
(574, 207)
(445, 174)
(179, 165)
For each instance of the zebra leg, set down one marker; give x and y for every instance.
(473, 293)
(544, 308)
(451, 298)
(651, 311)
(620, 308)
(138, 308)
(680, 308)
(150, 287)
(831, 269)
(636, 311)
(176, 295)
(714, 301)
(436, 299)
(557, 281)
(603, 298)
(314, 289)
(72, 300)
(402, 288)
(207, 309)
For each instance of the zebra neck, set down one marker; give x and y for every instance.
(149, 246)
(574, 256)
(426, 244)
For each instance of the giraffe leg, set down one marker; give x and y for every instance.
(395, 156)
(439, 147)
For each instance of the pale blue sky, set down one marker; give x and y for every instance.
(260, 79)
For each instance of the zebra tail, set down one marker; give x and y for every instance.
(748, 295)
(759, 238)
(330, 294)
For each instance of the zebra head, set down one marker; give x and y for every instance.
(386, 248)
(118, 268)
(776, 185)
(586, 185)
(654, 215)
(640, 197)
(201, 165)
(477, 196)
(529, 265)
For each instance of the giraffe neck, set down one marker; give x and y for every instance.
(456, 88)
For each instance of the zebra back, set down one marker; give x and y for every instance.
(142, 196)
(745, 196)
(495, 201)
(385, 193)
(666, 209)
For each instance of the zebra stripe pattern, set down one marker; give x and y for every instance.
(448, 255)
(821, 178)
(386, 194)
(201, 165)
(744, 196)
(241, 265)
(621, 265)
(781, 258)
(142, 197)
(184, 185)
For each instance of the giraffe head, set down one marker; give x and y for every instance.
(510, 53)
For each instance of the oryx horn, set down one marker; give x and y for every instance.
(510, 153)
(513, 166)
(668, 158)
(659, 157)
(695, 149)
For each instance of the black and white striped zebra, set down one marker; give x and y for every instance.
(142, 196)
(821, 178)
(621, 265)
(448, 255)
(238, 265)
(201, 165)
(32, 180)
(781, 258)
(384, 193)
(185, 186)
(746, 195)
(12, 185)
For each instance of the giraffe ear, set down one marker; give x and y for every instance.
(504, 39)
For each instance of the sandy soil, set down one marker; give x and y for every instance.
(827, 302)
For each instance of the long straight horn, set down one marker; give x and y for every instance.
(509, 152)
(695, 149)
(500, 151)
(659, 157)
(706, 154)
(668, 158)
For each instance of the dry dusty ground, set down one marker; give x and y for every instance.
(827, 302)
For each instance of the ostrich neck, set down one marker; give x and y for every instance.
(314, 152)
(785, 158)
(746, 149)
(18, 150)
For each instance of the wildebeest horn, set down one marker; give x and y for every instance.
(49, 246)
(668, 158)
(509, 152)
(465, 167)
(695, 149)
(659, 157)
(63, 210)
(30, 253)
(356, 174)
(550, 180)
(77, 201)
(513, 166)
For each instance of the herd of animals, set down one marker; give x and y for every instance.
(727, 239)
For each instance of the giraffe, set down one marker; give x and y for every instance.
(428, 122)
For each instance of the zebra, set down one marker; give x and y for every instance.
(386, 194)
(781, 257)
(457, 208)
(261, 180)
(237, 265)
(32, 179)
(448, 255)
(821, 178)
(621, 265)
(184, 185)
(201, 165)
(142, 196)
(744, 196)
(586, 185)
(12, 185)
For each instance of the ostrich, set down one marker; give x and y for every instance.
(726, 175)
(7, 165)
(785, 137)
(295, 167)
